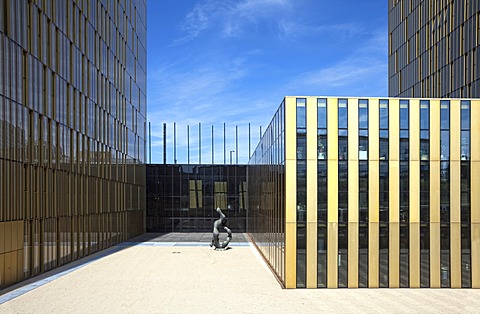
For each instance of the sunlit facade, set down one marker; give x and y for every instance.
(434, 48)
(369, 192)
(72, 130)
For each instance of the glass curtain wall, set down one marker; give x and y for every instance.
(363, 142)
(384, 193)
(404, 192)
(322, 192)
(266, 197)
(424, 193)
(445, 193)
(465, 118)
(342, 193)
(301, 191)
(183, 198)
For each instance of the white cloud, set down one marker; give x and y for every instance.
(229, 17)
(363, 71)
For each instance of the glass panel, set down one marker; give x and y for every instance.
(342, 114)
(465, 114)
(383, 153)
(342, 256)
(444, 145)
(322, 256)
(465, 146)
(342, 144)
(404, 258)
(301, 118)
(383, 114)
(445, 114)
(363, 145)
(404, 119)
(363, 256)
(424, 191)
(424, 114)
(445, 191)
(383, 258)
(343, 191)
(424, 145)
(363, 114)
(424, 256)
(322, 191)
(322, 113)
(445, 256)
(322, 144)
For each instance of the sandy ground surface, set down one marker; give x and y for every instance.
(197, 279)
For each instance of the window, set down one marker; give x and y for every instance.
(363, 129)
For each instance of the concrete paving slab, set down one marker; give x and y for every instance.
(145, 278)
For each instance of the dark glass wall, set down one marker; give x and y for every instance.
(183, 198)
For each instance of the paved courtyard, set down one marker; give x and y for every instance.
(180, 273)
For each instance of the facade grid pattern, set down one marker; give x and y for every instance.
(401, 212)
(72, 130)
(434, 48)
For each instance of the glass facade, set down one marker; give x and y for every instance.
(433, 48)
(183, 198)
(394, 203)
(72, 130)
(267, 215)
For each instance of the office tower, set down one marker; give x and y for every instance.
(72, 130)
(385, 193)
(434, 48)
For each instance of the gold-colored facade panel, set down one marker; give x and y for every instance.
(414, 262)
(394, 255)
(475, 234)
(455, 255)
(74, 130)
(414, 130)
(373, 255)
(353, 254)
(435, 279)
(332, 255)
(428, 264)
(414, 193)
(311, 268)
(290, 255)
(455, 144)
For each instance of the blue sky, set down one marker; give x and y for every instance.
(233, 61)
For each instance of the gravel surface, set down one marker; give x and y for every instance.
(197, 279)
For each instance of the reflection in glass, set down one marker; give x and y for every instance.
(425, 255)
(404, 255)
(301, 118)
(363, 256)
(342, 256)
(404, 118)
(384, 114)
(343, 191)
(322, 256)
(383, 257)
(425, 191)
(445, 255)
(321, 113)
(384, 188)
(322, 144)
(363, 114)
(383, 153)
(444, 114)
(322, 191)
(424, 114)
(342, 114)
